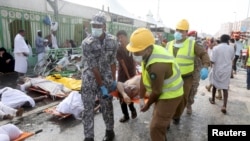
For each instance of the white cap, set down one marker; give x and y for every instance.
(45, 40)
(38, 30)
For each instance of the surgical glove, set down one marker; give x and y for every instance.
(104, 91)
(142, 103)
(204, 73)
(113, 86)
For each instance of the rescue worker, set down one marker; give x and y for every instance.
(185, 50)
(247, 66)
(98, 77)
(196, 75)
(161, 78)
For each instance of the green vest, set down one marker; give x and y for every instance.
(185, 55)
(248, 60)
(173, 86)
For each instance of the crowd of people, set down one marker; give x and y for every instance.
(169, 78)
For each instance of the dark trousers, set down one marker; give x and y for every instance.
(124, 108)
(248, 77)
(235, 62)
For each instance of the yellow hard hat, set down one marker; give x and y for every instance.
(140, 39)
(182, 25)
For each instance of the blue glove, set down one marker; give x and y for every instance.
(204, 73)
(113, 86)
(104, 91)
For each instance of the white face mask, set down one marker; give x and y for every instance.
(96, 32)
(137, 59)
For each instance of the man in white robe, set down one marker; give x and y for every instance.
(21, 53)
(15, 98)
(222, 58)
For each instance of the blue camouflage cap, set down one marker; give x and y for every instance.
(98, 18)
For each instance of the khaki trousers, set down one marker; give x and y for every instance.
(164, 110)
(188, 81)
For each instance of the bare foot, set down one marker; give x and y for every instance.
(211, 100)
(10, 117)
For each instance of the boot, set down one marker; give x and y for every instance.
(109, 136)
(189, 109)
(209, 87)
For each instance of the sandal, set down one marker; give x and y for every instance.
(223, 110)
(211, 101)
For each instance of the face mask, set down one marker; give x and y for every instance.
(137, 59)
(192, 38)
(177, 36)
(96, 32)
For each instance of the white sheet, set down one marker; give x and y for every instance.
(15, 98)
(72, 104)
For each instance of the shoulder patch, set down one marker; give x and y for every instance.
(111, 37)
(88, 40)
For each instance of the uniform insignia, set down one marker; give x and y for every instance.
(153, 76)
(89, 40)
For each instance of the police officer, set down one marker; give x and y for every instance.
(196, 74)
(185, 51)
(161, 78)
(98, 77)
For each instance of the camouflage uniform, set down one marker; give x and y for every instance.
(196, 80)
(100, 55)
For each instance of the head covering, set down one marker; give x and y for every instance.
(190, 33)
(39, 31)
(45, 40)
(99, 18)
(182, 25)
(140, 40)
(2, 49)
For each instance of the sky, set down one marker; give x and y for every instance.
(203, 15)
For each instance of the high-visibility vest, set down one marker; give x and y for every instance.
(248, 60)
(185, 55)
(173, 86)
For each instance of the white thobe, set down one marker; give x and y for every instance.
(15, 98)
(222, 58)
(20, 47)
(72, 104)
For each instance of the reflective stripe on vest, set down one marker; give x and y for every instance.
(248, 60)
(185, 55)
(173, 86)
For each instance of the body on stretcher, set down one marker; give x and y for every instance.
(26, 135)
(39, 90)
(135, 100)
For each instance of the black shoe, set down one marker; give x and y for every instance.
(134, 114)
(176, 121)
(109, 136)
(124, 119)
(88, 139)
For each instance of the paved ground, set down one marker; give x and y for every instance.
(191, 128)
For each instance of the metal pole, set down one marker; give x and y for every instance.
(248, 8)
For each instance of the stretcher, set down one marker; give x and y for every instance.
(26, 135)
(53, 111)
(39, 90)
(135, 100)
